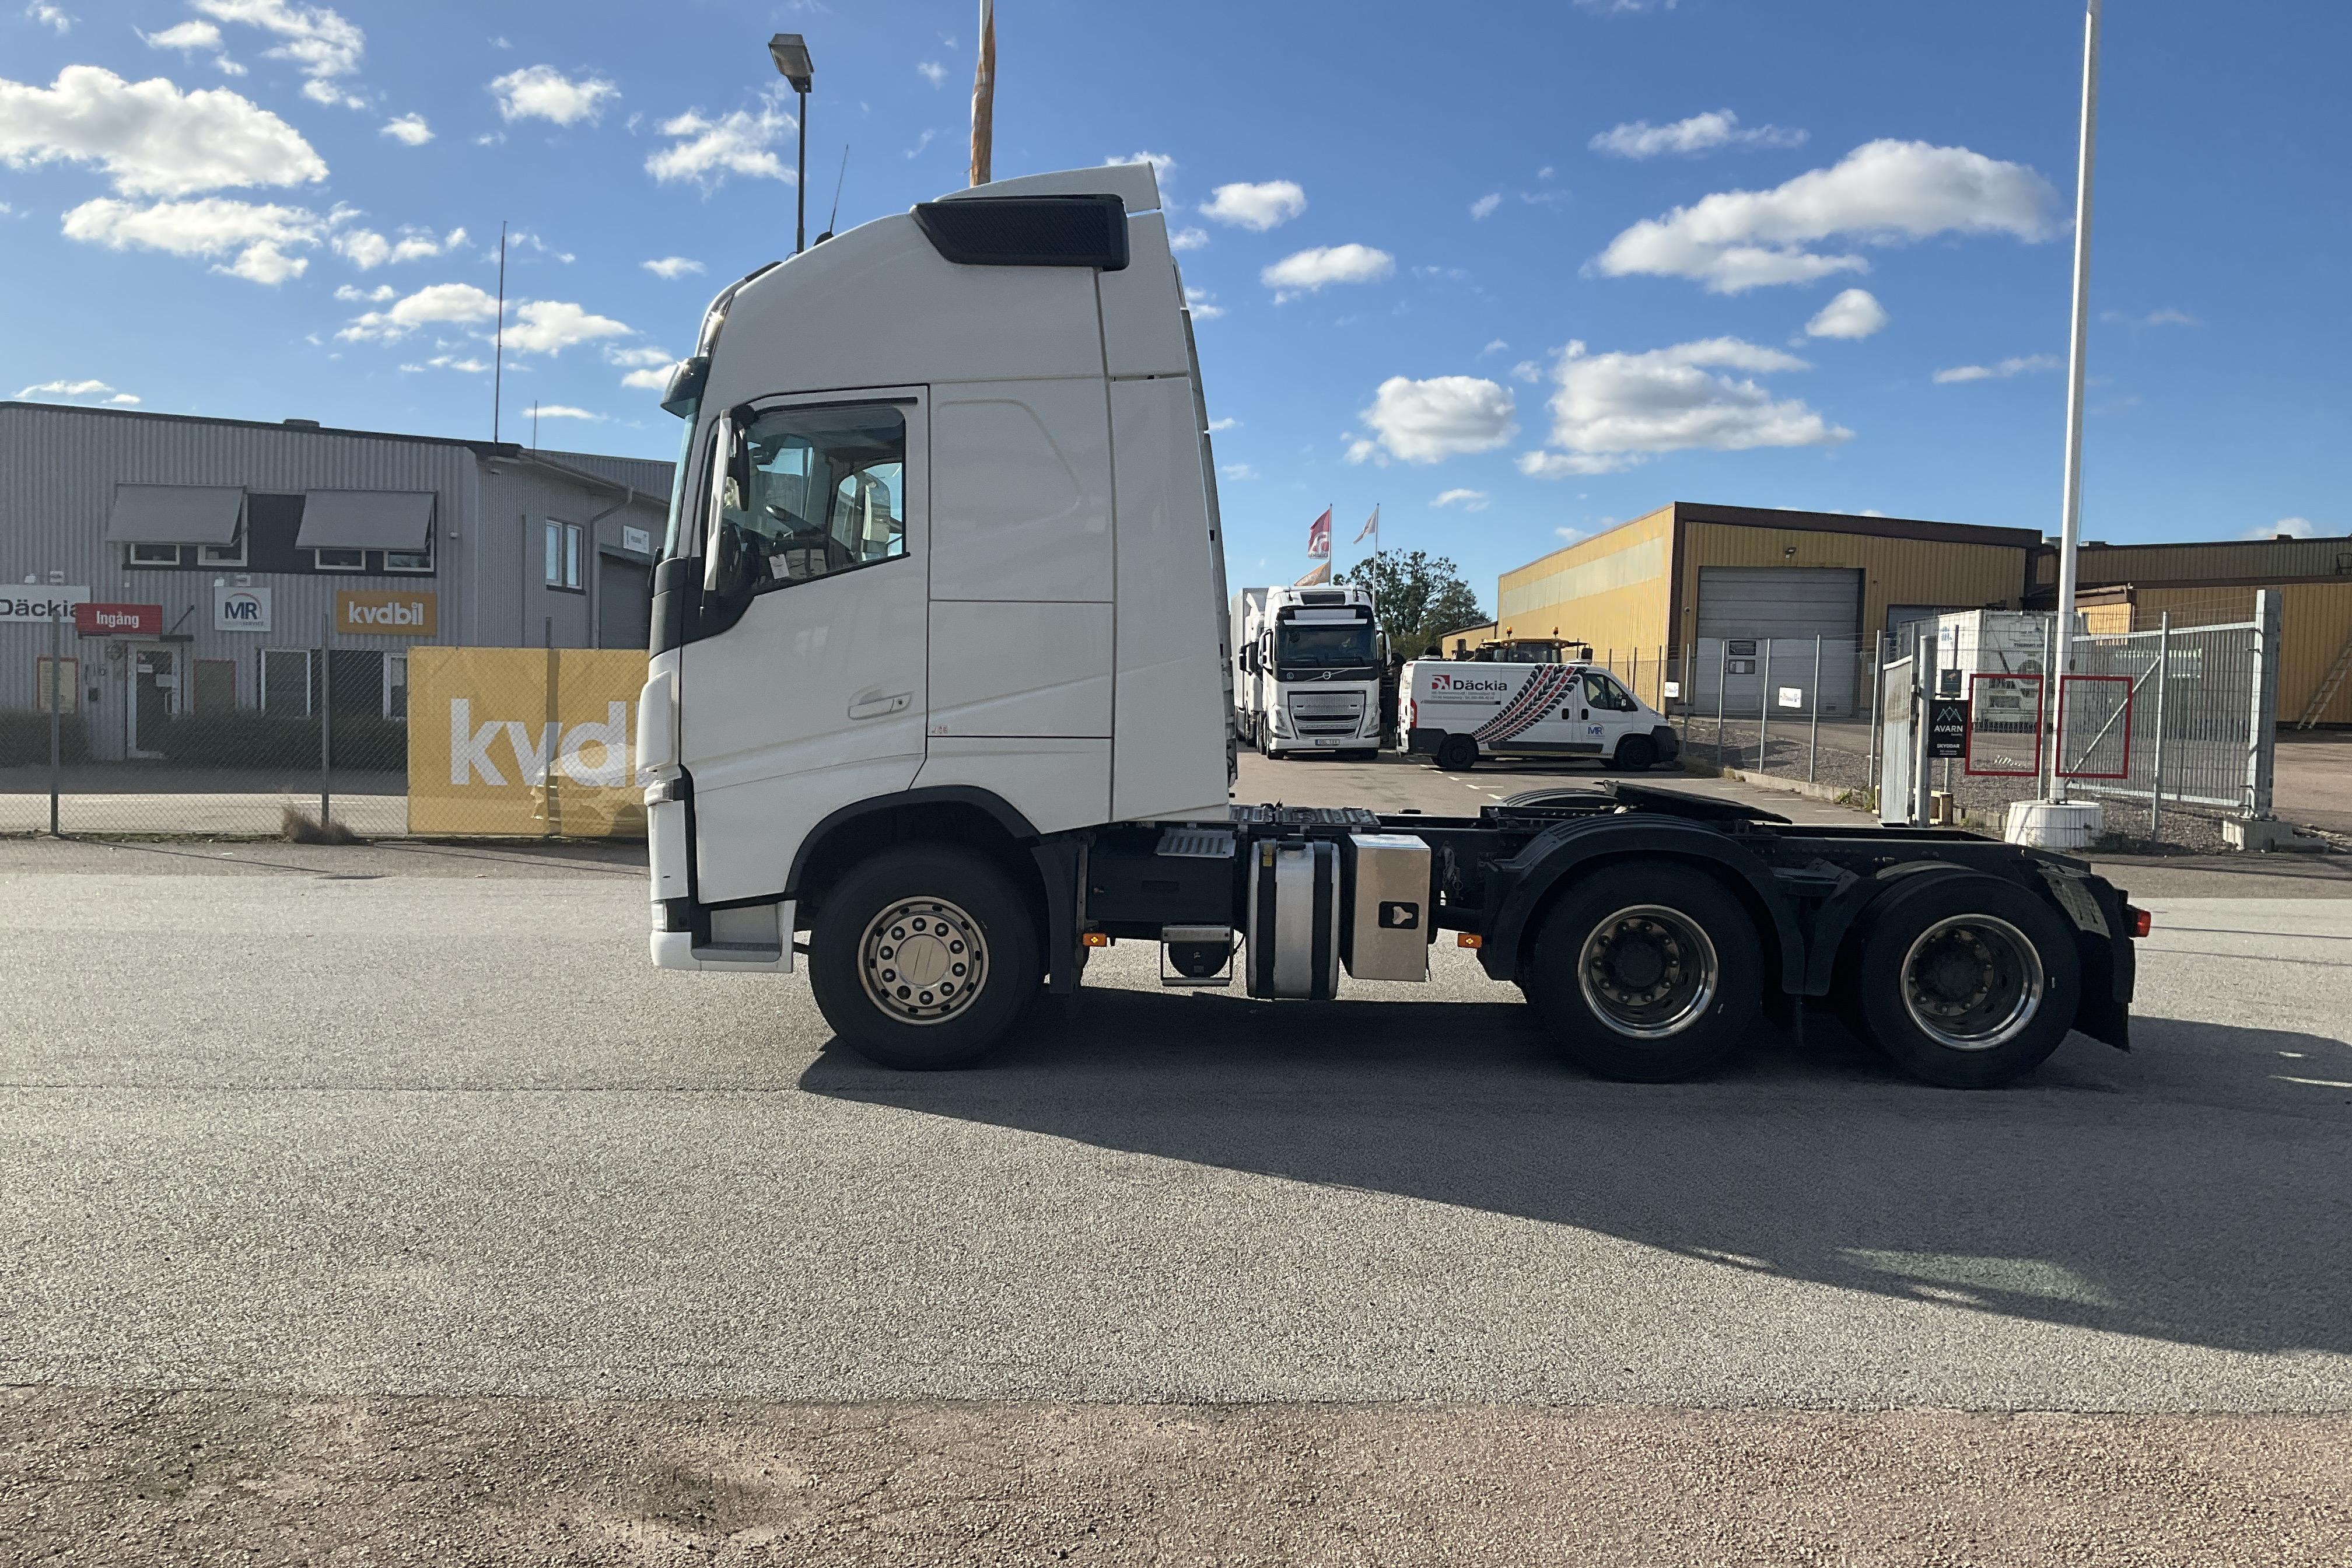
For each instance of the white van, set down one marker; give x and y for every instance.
(1457, 711)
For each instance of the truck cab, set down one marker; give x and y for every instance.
(1306, 671)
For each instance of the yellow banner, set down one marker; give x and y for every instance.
(524, 742)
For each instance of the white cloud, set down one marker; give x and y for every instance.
(639, 358)
(1259, 208)
(49, 16)
(376, 295)
(1425, 421)
(671, 268)
(186, 35)
(542, 92)
(260, 234)
(1882, 193)
(1226, 424)
(2019, 366)
(469, 365)
(1483, 207)
(1162, 165)
(320, 43)
(409, 128)
(151, 138)
(1614, 410)
(1237, 472)
(1188, 239)
(367, 251)
(1468, 500)
(1625, 7)
(90, 388)
(1855, 313)
(922, 141)
(437, 304)
(1308, 270)
(932, 72)
(648, 380)
(1699, 133)
(1203, 304)
(2292, 527)
(706, 151)
(551, 326)
(562, 411)
(1527, 370)
(2168, 316)
(1494, 347)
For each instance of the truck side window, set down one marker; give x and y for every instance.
(810, 491)
(1600, 692)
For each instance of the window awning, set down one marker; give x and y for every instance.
(175, 514)
(365, 519)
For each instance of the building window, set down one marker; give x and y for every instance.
(410, 560)
(395, 685)
(155, 555)
(229, 554)
(340, 560)
(563, 555)
(286, 687)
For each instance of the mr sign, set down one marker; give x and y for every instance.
(240, 609)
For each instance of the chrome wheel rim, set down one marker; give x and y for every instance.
(1972, 982)
(1648, 972)
(922, 961)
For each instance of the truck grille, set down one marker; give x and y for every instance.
(1327, 712)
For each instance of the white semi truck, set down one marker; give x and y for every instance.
(939, 703)
(1306, 670)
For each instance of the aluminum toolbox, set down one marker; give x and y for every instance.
(1388, 923)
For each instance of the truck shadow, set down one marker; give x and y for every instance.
(2192, 1192)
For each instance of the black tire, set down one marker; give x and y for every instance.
(987, 927)
(1636, 754)
(1457, 754)
(1967, 981)
(1669, 933)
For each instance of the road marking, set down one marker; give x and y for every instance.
(2313, 1082)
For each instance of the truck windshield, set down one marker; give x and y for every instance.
(1320, 648)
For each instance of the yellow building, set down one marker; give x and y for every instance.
(1689, 571)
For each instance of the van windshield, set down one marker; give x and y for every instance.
(1319, 650)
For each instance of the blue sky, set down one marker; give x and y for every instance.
(1512, 272)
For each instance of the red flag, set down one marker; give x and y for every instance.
(1318, 537)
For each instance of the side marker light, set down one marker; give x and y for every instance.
(1469, 939)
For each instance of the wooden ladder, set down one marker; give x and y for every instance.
(2327, 687)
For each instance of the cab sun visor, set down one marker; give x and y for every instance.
(1028, 231)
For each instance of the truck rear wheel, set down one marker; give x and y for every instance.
(1457, 754)
(923, 957)
(1648, 976)
(1967, 981)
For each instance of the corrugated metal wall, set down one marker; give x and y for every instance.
(2242, 559)
(2315, 621)
(58, 468)
(1894, 571)
(1611, 590)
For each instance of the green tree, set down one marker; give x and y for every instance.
(1420, 597)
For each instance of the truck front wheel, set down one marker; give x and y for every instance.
(923, 957)
(1967, 982)
(1648, 976)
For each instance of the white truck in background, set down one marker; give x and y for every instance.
(939, 703)
(1306, 671)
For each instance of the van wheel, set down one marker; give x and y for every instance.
(1648, 976)
(1967, 981)
(1457, 754)
(1636, 754)
(923, 957)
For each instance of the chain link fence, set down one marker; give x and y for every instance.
(125, 739)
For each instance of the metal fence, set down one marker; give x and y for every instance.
(2172, 728)
(125, 739)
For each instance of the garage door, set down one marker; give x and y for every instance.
(1748, 615)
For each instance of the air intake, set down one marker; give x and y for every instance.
(1028, 231)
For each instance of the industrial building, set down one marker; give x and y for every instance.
(200, 565)
(1692, 572)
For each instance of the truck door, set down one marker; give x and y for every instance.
(816, 697)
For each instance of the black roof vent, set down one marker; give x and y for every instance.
(302, 424)
(1028, 231)
(1322, 596)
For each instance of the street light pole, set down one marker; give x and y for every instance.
(2071, 520)
(790, 52)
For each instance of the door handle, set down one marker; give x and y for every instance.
(877, 705)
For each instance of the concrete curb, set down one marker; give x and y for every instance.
(1830, 792)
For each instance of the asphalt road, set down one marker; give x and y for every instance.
(364, 1133)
